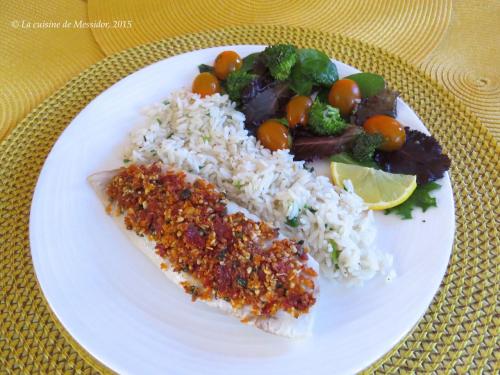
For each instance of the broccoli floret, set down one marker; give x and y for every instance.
(280, 60)
(364, 146)
(325, 119)
(236, 82)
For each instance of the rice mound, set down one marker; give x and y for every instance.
(207, 137)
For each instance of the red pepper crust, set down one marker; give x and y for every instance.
(231, 256)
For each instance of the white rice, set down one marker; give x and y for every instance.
(207, 137)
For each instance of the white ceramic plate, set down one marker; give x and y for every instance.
(122, 310)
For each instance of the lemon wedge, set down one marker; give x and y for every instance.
(380, 190)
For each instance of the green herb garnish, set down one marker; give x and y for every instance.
(334, 255)
(238, 184)
(313, 210)
(241, 282)
(222, 255)
(308, 167)
(293, 222)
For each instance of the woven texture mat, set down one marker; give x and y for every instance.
(459, 331)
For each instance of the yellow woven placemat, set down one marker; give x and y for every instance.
(459, 331)
(37, 60)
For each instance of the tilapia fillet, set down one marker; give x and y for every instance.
(217, 251)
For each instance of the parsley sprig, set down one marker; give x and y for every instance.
(421, 197)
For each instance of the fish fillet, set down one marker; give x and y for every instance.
(282, 323)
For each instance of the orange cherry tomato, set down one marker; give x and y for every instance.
(297, 110)
(225, 63)
(343, 95)
(392, 131)
(206, 84)
(273, 135)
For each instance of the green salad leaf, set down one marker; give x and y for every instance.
(283, 121)
(236, 82)
(323, 93)
(347, 158)
(369, 84)
(205, 68)
(313, 68)
(248, 62)
(317, 66)
(300, 84)
(420, 198)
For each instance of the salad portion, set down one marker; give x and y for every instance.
(293, 99)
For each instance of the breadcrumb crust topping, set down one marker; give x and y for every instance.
(228, 257)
